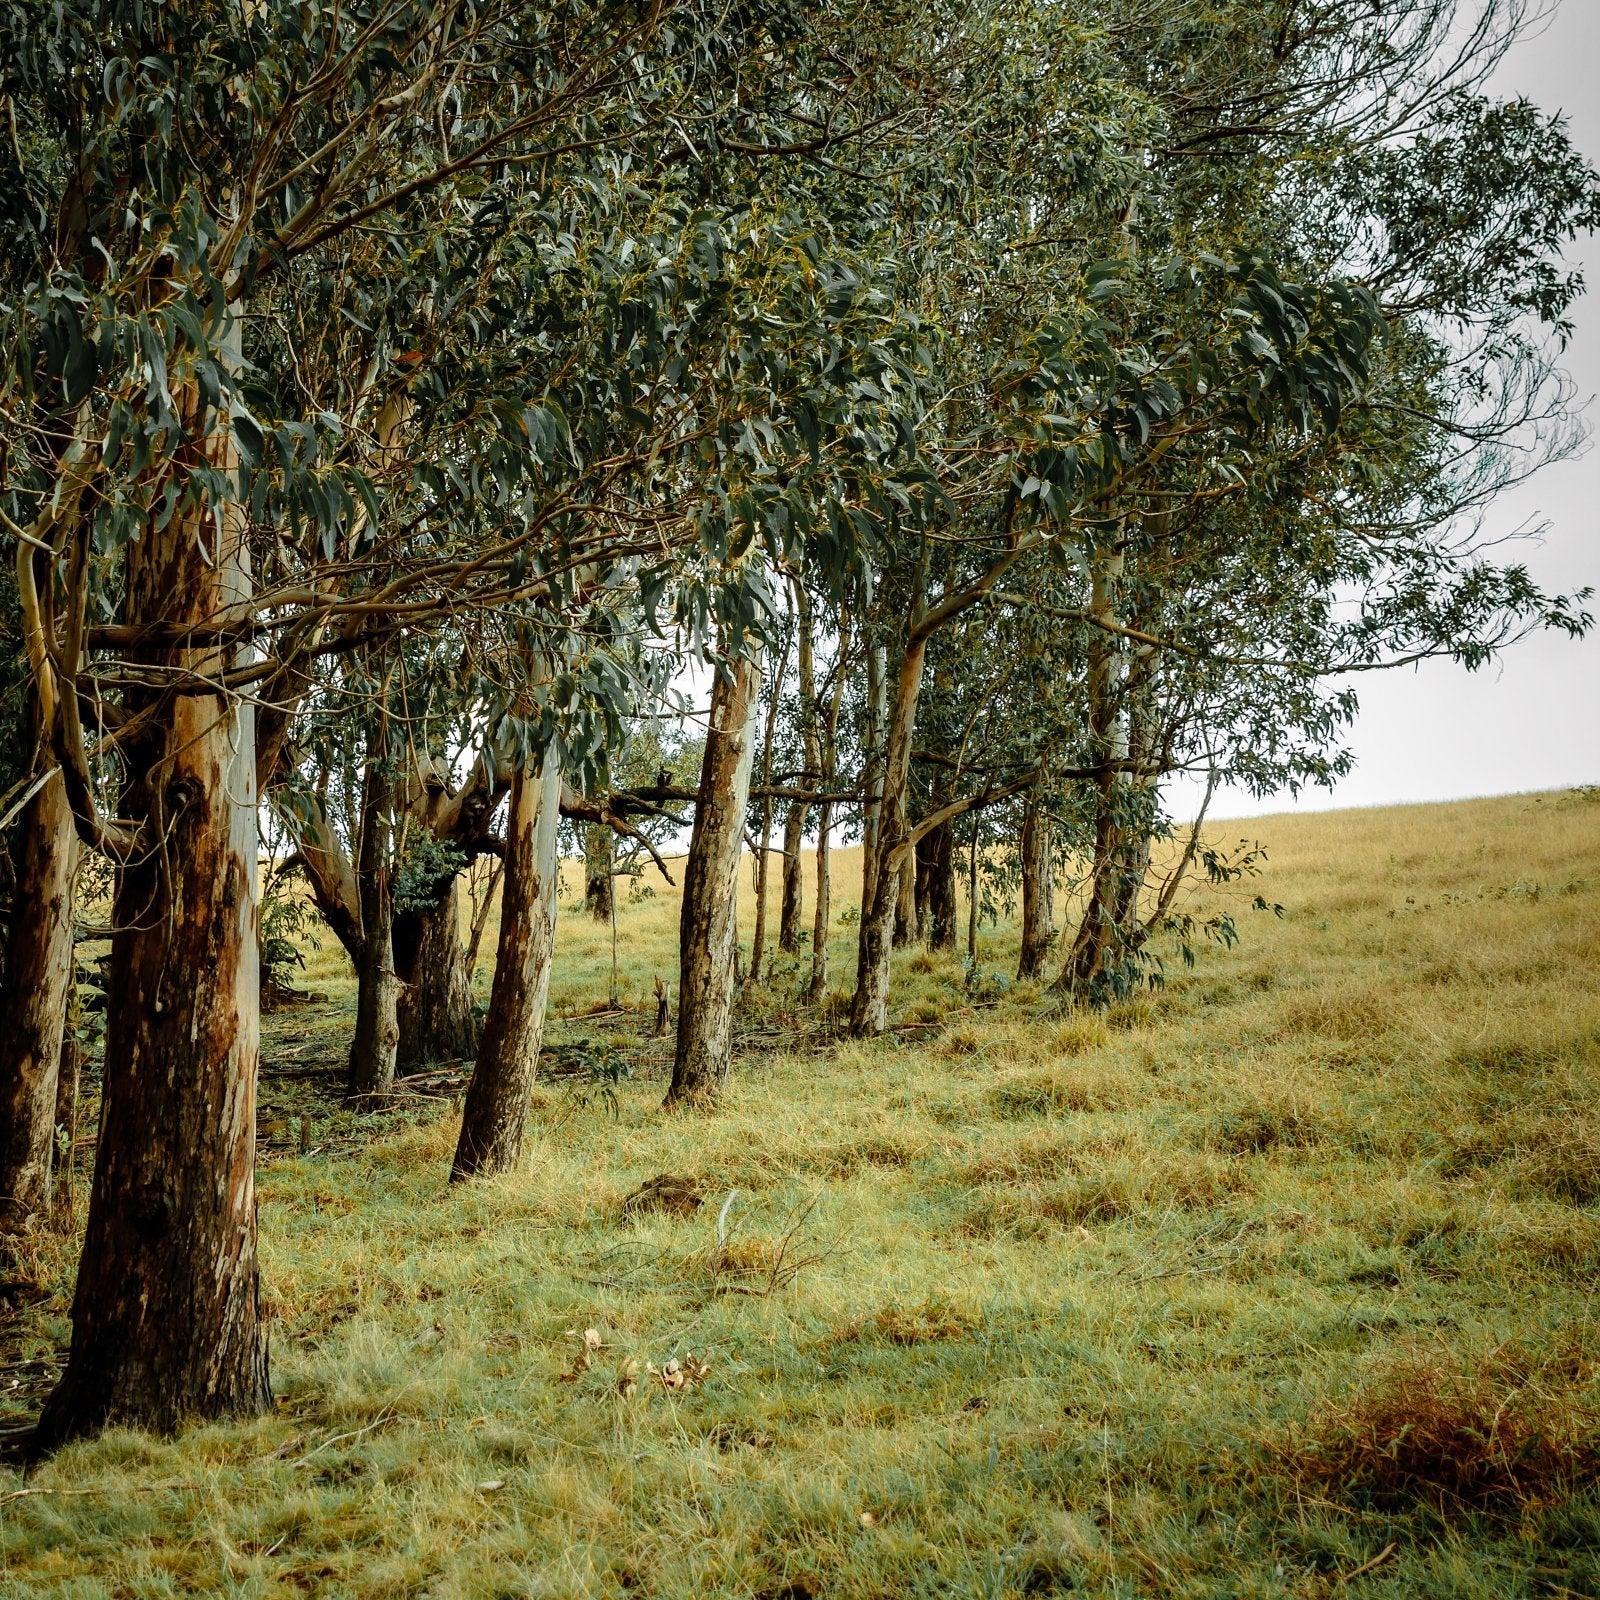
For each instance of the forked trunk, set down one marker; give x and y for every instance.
(166, 1319)
(34, 996)
(495, 1114)
(435, 999)
(1038, 893)
(706, 928)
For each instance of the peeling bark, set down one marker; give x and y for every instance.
(166, 1319)
(495, 1114)
(34, 993)
(706, 927)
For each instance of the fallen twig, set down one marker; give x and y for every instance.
(1378, 1560)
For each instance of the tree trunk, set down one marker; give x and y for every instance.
(758, 937)
(793, 903)
(972, 895)
(495, 1114)
(1097, 969)
(599, 861)
(936, 850)
(905, 906)
(1038, 892)
(818, 985)
(69, 1081)
(435, 1000)
(34, 996)
(706, 929)
(869, 1009)
(794, 828)
(377, 1038)
(166, 1320)
(874, 776)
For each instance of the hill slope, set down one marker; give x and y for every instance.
(1282, 1274)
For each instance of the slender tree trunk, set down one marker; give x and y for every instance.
(793, 896)
(599, 864)
(874, 776)
(828, 764)
(1038, 892)
(905, 906)
(495, 1114)
(69, 1078)
(1095, 970)
(435, 972)
(869, 1010)
(166, 1319)
(818, 985)
(377, 1037)
(794, 830)
(34, 995)
(707, 931)
(924, 884)
(758, 937)
(940, 845)
(972, 895)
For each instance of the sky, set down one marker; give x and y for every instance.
(1532, 720)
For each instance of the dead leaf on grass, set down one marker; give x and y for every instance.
(675, 1375)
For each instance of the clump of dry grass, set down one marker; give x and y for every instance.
(1257, 1123)
(935, 1320)
(1514, 1427)
(1057, 1092)
(1565, 1165)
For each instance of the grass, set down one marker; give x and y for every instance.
(1280, 1276)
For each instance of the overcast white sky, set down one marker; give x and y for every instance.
(1437, 732)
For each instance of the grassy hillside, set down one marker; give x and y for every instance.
(1277, 1282)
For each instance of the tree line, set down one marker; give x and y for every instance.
(1006, 406)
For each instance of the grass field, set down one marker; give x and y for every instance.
(1280, 1281)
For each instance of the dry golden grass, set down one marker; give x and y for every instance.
(1222, 1294)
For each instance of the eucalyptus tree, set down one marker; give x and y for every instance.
(1354, 549)
(203, 506)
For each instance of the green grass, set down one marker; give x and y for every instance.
(1222, 1294)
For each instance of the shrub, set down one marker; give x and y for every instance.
(1509, 1428)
